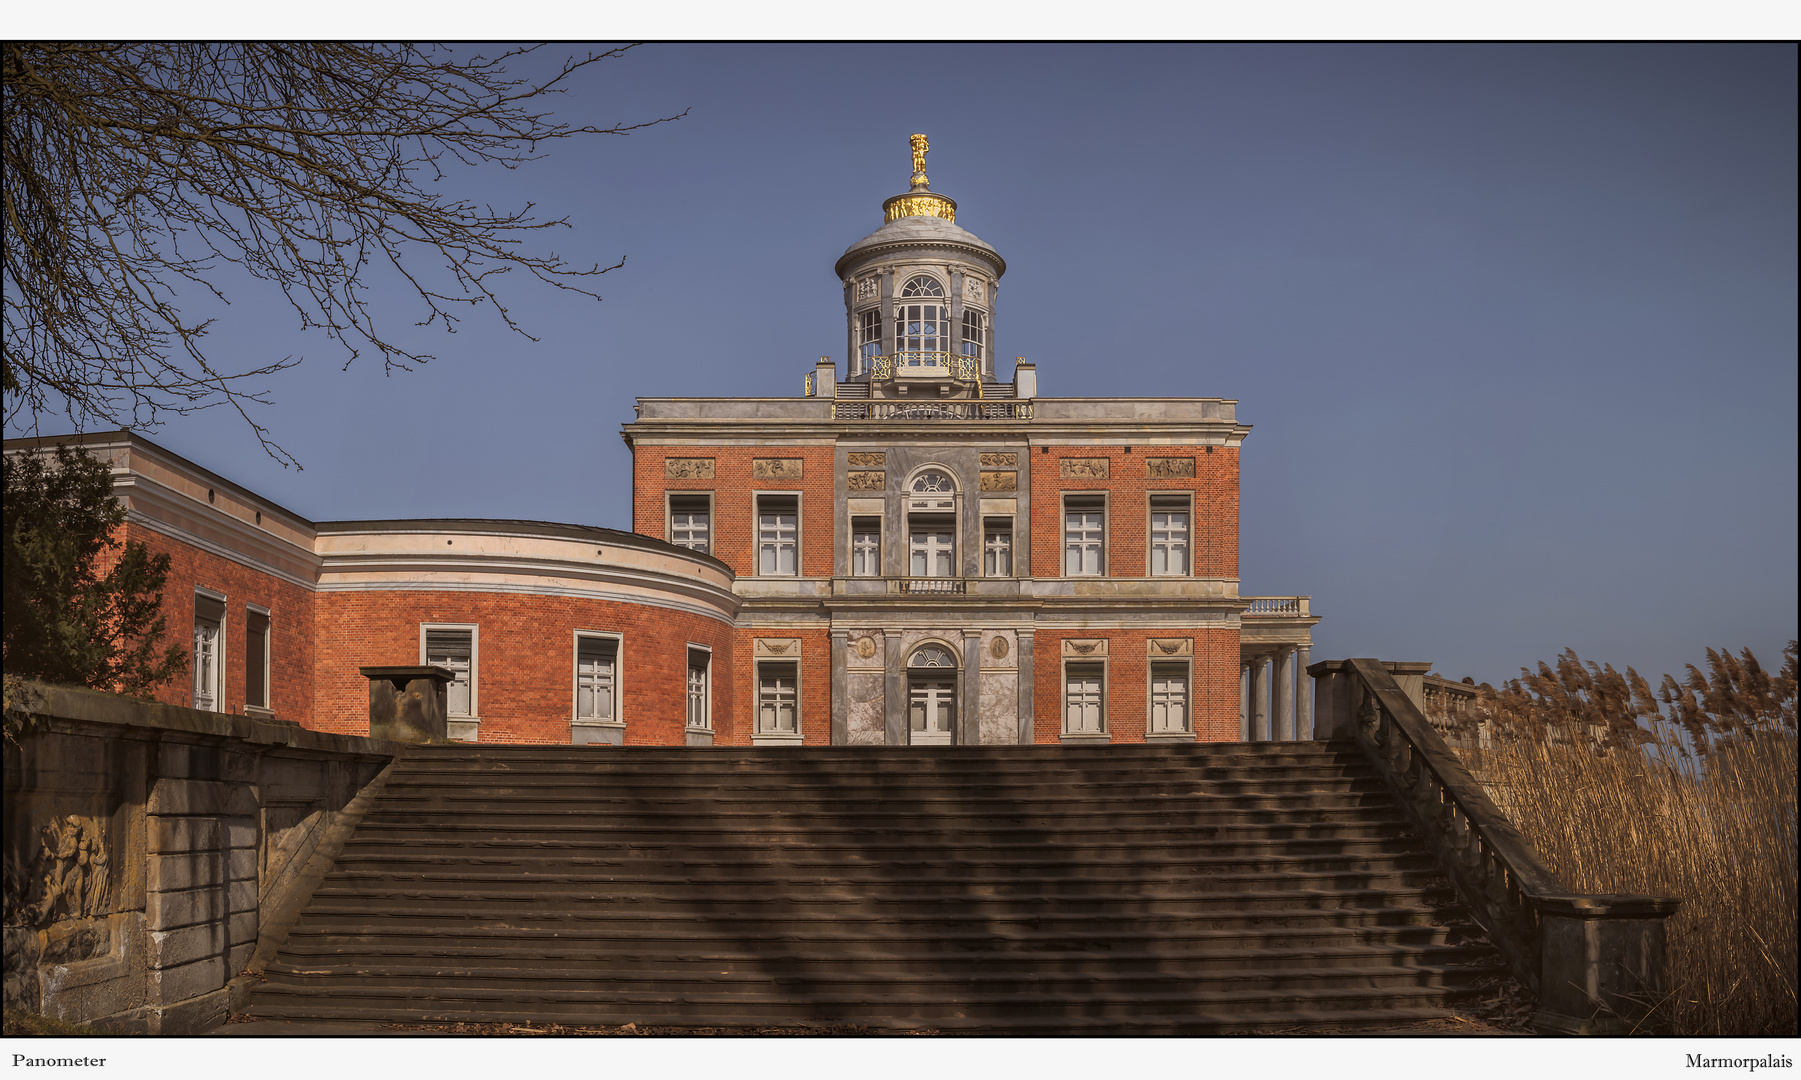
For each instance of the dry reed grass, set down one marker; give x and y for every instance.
(1699, 806)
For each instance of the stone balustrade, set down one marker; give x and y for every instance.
(1595, 962)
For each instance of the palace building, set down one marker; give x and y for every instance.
(915, 553)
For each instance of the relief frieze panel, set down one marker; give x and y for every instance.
(863, 459)
(1000, 481)
(786, 648)
(688, 468)
(1169, 468)
(1155, 647)
(1085, 647)
(867, 481)
(776, 468)
(994, 460)
(1082, 468)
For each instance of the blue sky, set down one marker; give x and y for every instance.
(1515, 326)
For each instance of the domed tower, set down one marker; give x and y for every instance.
(919, 299)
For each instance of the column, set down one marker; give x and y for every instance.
(895, 685)
(1303, 695)
(1026, 678)
(969, 710)
(840, 688)
(1244, 702)
(1284, 704)
(1260, 699)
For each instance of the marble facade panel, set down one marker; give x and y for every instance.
(999, 708)
(868, 722)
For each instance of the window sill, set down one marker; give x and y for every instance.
(775, 740)
(1169, 736)
(597, 732)
(698, 736)
(259, 712)
(463, 728)
(1071, 737)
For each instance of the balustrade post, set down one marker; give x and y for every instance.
(1602, 964)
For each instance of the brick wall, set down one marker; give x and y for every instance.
(290, 625)
(1214, 488)
(525, 678)
(1213, 683)
(733, 489)
(815, 688)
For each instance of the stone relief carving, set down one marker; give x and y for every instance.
(1169, 646)
(1076, 468)
(997, 648)
(1168, 468)
(867, 481)
(867, 288)
(866, 647)
(973, 289)
(778, 646)
(1085, 647)
(688, 468)
(68, 878)
(864, 460)
(776, 468)
(1000, 481)
(1000, 461)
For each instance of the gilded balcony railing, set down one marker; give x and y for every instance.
(926, 364)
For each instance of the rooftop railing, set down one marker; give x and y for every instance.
(931, 410)
(1276, 607)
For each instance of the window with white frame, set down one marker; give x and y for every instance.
(454, 648)
(1084, 535)
(1169, 535)
(930, 545)
(778, 698)
(1084, 699)
(778, 535)
(1169, 699)
(256, 658)
(921, 285)
(866, 547)
(691, 522)
(975, 337)
(596, 680)
(869, 337)
(997, 547)
(700, 681)
(209, 636)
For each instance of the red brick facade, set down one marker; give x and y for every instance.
(1212, 682)
(1127, 488)
(733, 487)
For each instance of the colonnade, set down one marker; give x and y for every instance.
(1276, 696)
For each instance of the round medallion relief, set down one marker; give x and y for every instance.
(866, 647)
(998, 648)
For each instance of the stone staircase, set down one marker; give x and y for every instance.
(1034, 890)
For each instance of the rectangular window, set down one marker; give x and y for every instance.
(1169, 699)
(1169, 535)
(691, 521)
(454, 648)
(869, 337)
(1084, 535)
(256, 659)
(700, 712)
(209, 635)
(1084, 700)
(778, 699)
(596, 680)
(866, 547)
(930, 550)
(997, 547)
(778, 535)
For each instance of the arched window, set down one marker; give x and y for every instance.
(932, 482)
(929, 656)
(922, 332)
(921, 285)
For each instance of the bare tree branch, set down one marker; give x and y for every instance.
(135, 170)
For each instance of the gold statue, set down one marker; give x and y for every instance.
(920, 146)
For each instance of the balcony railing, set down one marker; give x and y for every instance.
(927, 586)
(931, 410)
(1276, 607)
(926, 365)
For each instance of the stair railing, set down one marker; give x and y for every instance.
(1596, 963)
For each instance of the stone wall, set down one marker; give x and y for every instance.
(149, 849)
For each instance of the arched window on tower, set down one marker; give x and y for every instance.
(922, 330)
